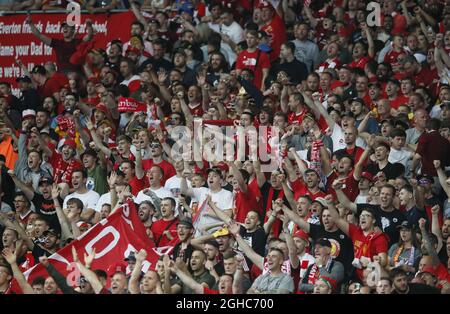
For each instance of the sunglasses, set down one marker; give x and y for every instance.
(155, 145)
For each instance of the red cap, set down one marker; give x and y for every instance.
(102, 107)
(70, 142)
(133, 49)
(330, 282)
(119, 267)
(264, 4)
(430, 270)
(222, 166)
(301, 234)
(367, 175)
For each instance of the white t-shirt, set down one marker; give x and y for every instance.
(104, 199)
(361, 199)
(161, 193)
(89, 199)
(234, 31)
(223, 200)
(401, 156)
(338, 139)
(173, 185)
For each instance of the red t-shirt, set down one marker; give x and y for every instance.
(425, 77)
(300, 189)
(167, 167)
(276, 29)
(247, 60)
(368, 246)
(398, 101)
(138, 185)
(62, 171)
(244, 203)
(254, 190)
(296, 118)
(360, 63)
(209, 291)
(53, 85)
(351, 185)
(158, 229)
(64, 50)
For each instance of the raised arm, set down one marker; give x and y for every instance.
(90, 276)
(426, 238)
(260, 177)
(11, 258)
(340, 222)
(257, 259)
(133, 284)
(63, 221)
(27, 190)
(46, 40)
(442, 177)
(435, 226)
(184, 189)
(238, 176)
(337, 186)
(98, 142)
(293, 257)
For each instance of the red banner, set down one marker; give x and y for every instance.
(17, 41)
(113, 239)
(130, 105)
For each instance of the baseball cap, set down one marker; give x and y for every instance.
(322, 201)
(46, 180)
(221, 232)
(358, 100)
(186, 222)
(24, 79)
(213, 242)
(323, 242)
(425, 177)
(39, 69)
(100, 52)
(367, 175)
(429, 269)
(131, 257)
(115, 268)
(101, 107)
(264, 4)
(302, 235)
(70, 142)
(222, 166)
(63, 24)
(52, 231)
(28, 113)
(180, 51)
(405, 224)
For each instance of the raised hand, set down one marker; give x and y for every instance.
(422, 223)
(55, 191)
(75, 255)
(234, 227)
(89, 258)
(44, 260)
(112, 179)
(141, 256)
(435, 209)
(9, 256)
(338, 184)
(162, 77)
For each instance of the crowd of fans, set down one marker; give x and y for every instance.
(355, 115)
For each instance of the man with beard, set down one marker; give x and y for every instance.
(401, 286)
(43, 125)
(65, 47)
(197, 272)
(217, 65)
(165, 229)
(88, 197)
(130, 80)
(342, 247)
(48, 247)
(146, 211)
(184, 248)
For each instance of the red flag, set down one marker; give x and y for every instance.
(113, 239)
(130, 105)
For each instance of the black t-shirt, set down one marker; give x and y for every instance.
(46, 208)
(414, 214)
(342, 245)
(265, 192)
(386, 221)
(38, 251)
(186, 254)
(391, 171)
(296, 70)
(256, 239)
(420, 288)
